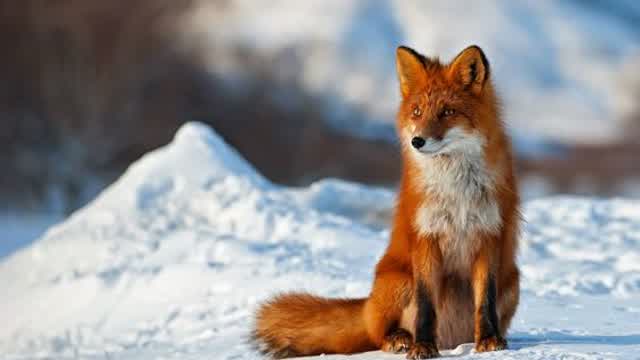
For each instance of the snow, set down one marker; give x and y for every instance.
(20, 228)
(566, 69)
(171, 261)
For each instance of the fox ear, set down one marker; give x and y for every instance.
(470, 68)
(410, 67)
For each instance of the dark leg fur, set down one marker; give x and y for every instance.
(490, 338)
(425, 337)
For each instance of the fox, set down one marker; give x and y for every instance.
(449, 273)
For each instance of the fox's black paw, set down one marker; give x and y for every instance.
(493, 343)
(423, 351)
(399, 341)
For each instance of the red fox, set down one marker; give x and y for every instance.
(449, 275)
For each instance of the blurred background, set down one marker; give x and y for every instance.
(303, 89)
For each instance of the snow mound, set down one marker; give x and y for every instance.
(171, 260)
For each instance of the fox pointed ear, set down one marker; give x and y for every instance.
(410, 67)
(470, 68)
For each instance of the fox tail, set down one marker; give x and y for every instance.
(299, 324)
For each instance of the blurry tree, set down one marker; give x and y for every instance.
(79, 79)
(87, 86)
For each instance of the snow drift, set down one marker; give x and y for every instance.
(171, 260)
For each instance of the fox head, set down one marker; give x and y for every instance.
(446, 109)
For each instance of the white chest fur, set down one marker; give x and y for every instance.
(461, 205)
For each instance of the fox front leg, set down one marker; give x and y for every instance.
(488, 336)
(427, 261)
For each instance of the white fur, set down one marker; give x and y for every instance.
(454, 171)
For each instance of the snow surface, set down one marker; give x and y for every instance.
(567, 69)
(171, 260)
(21, 228)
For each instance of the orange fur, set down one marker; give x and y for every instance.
(459, 255)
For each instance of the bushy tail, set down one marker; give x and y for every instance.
(301, 324)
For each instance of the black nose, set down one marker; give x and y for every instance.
(417, 142)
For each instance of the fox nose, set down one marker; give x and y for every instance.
(417, 142)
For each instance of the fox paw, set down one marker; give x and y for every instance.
(492, 343)
(397, 342)
(423, 351)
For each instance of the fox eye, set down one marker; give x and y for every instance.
(448, 112)
(417, 111)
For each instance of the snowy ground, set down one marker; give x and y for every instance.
(21, 228)
(171, 260)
